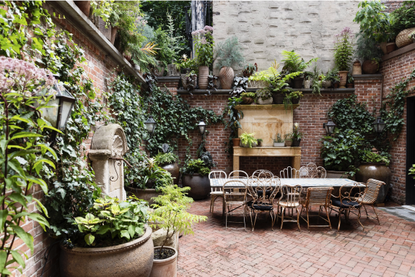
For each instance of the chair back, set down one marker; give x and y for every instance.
(234, 191)
(311, 170)
(264, 190)
(372, 191)
(291, 195)
(349, 194)
(238, 174)
(217, 174)
(265, 173)
(289, 172)
(318, 196)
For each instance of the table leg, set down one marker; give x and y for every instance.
(296, 162)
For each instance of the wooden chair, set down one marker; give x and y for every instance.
(289, 200)
(311, 170)
(289, 172)
(234, 197)
(238, 174)
(216, 192)
(263, 193)
(317, 196)
(348, 200)
(370, 195)
(265, 173)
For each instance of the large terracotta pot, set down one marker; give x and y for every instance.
(134, 258)
(145, 194)
(199, 186)
(338, 174)
(226, 75)
(343, 78)
(166, 267)
(174, 171)
(203, 77)
(376, 171)
(84, 6)
(370, 67)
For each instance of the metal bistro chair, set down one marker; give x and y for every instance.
(289, 172)
(265, 173)
(216, 192)
(311, 170)
(317, 196)
(263, 191)
(234, 197)
(370, 195)
(238, 174)
(289, 200)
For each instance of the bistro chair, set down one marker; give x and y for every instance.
(288, 202)
(289, 172)
(265, 173)
(234, 197)
(370, 195)
(348, 200)
(263, 193)
(216, 192)
(238, 174)
(320, 197)
(311, 170)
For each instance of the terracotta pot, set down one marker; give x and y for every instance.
(390, 47)
(336, 85)
(174, 171)
(145, 194)
(382, 46)
(203, 77)
(134, 258)
(288, 143)
(278, 98)
(370, 67)
(247, 100)
(296, 142)
(376, 171)
(298, 82)
(343, 78)
(226, 75)
(357, 68)
(338, 174)
(236, 141)
(166, 267)
(265, 102)
(114, 32)
(84, 6)
(199, 186)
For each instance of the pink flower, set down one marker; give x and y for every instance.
(203, 40)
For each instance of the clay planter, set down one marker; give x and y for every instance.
(174, 171)
(343, 78)
(236, 141)
(166, 267)
(84, 6)
(288, 143)
(247, 100)
(370, 67)
(203, 77)
(376, 171)
(199, 186)
(134, 258)
(326, 84)
(114, 32)
(390, 47)
(145, 194)
(226, 75)
(357, 68)
(278, 98)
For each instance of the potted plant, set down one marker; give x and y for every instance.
(249, 70)
(292, 97)
(403, 23)
(233, 123)
(149, 180)
(296, 135)
(204, 45)
(350, 81)
(264, 96)
(170, 213)
(248, 140)
(248, 97)
(260, 79)
(308, 76)
(260, 140)
(168, 161)
(115, 238)
(375, 165)
(288, 139)
(367, 50)
(228, 54)
(343, 54)
(239, 86)
(278, 141)
(279, 85)
(294, 63)
(195, 175)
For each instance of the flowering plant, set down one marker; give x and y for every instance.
(204, 44)
(343, 49)
(186, 63)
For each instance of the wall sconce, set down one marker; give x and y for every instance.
(379, 125)
(150, 125)
(329, 127)
(202, 127)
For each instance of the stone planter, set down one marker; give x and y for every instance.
(265, 102)
(370, 67)
(199, 186)
(288, 143)
(172, 70)
(307, 84)
(326, 84)
(166, 267)
(376, 171)
(174, 171)
(203, 77)
(279, 144)
(145, 194)
(134, 258)
(343, 78)
(247, 100)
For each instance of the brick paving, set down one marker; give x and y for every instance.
(387, 249)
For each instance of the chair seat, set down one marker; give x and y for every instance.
(345, 203)
(260, 207)
(216, 193)
(288, 204)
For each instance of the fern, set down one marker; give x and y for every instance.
(229, 53)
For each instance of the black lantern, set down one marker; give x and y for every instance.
(150, 125)
(379, 125)
(329, 127)
(202, 127)
(60, 107)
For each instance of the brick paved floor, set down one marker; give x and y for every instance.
(387, 249)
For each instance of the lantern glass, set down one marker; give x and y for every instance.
(150, 125)
(379, 125)
(202, 127)
(329, 126)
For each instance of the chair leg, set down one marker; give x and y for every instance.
(340, 220)
(377, 217)
(367, 215)
(358, 219)
(282, 216)
(298, 219)
(328, 217)
(308, 218)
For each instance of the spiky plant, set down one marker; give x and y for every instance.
(228, 53)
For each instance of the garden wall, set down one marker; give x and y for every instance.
(265, 28)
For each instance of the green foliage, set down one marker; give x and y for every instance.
(103, 9)
(403, 17)
(368, 49)
(248, 139)
(228, 53)
(195, 166)
(294, 63)
(412, 171)
(170, 212)
(231, 117)
(264, 93)
(150, 175)
(111, 222)
(186, 63)
(368, 156)
(204, 44)
(297, 135)
(375, 23)
(343, 50)
(278, 139)
(331, 75)
(341, 150)
(279, 83)
(166, 158)
(248, 94)
(291, 96)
